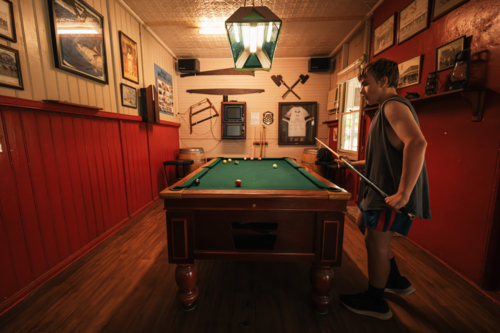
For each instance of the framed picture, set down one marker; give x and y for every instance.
(409, 72)
(129, 96)
(383, 37)
(445, 55)
(10, 68)
(7, 23)
(297, 123)
(443, 7)
(165, 88)
(78, 39)
(129, 58)
(413, 19)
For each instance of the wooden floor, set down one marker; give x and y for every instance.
(127, 285)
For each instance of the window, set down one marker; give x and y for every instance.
(350, 116)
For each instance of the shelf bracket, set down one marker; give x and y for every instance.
(476, 102)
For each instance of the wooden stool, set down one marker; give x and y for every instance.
(177, 163)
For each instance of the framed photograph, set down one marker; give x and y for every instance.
(445, 55)
(297, 123)
(409, 72)
(383, 36)
(129, 96)
(7, 24)
(413, 19)
(443, 7)
(10, 68)
(78, 39)
(129, 58)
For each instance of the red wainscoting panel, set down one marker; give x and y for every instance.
(163, 146)
(67, 182)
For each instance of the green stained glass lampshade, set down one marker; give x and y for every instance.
(253, 36)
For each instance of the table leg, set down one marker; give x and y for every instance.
(186, 276)
(321, 282)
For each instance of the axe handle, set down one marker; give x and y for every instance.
(291, 90)
(296, 83)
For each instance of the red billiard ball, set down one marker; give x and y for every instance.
(238, 182)
(251, 158)
(260, 159)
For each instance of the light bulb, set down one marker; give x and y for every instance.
(260, 35)
(236, 32)
(269, 31)
(253, 39)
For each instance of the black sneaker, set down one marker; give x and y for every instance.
(401, 287)
(363, 305)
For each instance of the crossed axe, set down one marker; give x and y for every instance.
(279, 80)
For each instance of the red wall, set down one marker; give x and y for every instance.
(462, 156)
(67, 182)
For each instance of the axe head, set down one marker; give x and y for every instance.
(303, 78)
(277, 79)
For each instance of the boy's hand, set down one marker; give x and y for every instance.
(396, 201)
(341, 163)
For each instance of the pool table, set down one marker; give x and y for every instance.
(287, 213)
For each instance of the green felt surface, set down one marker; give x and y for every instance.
(255, 175)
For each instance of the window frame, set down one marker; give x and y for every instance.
(351, 154)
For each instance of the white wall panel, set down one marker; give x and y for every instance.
(43, 81)
(208, 134)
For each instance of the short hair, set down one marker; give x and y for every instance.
(380, 68)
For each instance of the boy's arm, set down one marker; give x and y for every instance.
(406, 128)
(359, 165)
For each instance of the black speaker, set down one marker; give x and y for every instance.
(319, 65)
(188, 66)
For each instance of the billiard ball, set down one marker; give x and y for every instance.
(236, 162)
(275, 166)
(224, 161)
(244, 158)
(197, 182)
(238, 182)
(251, 158)
(229, 160)
(260, 159)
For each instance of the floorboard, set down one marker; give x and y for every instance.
(126, 285)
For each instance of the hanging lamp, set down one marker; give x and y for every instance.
(253, 35)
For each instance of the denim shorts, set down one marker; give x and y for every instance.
(383, 220)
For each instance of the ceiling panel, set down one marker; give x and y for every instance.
(310, 27)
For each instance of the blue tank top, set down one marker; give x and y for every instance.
(384, 166)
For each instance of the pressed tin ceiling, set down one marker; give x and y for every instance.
(311, 28)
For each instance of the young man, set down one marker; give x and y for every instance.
(395, 163)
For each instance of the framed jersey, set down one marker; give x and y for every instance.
(297, 123)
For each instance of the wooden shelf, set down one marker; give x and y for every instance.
(474, 97)
(96, 108)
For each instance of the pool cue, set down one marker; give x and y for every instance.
(367, 181)
(264, 136)
(260, 143)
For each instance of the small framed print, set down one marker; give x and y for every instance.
(383, 36)
(409, 72)
(129, 96)
(297, 123)
(10, 68)
(7, 24)
(445, 55)
(129, 58)
(443, 7)
(413, 19)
